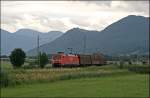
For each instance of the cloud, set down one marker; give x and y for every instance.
(63, 15)
(132, 6)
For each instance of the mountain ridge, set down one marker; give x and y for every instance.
(117, 38)
(9, 41)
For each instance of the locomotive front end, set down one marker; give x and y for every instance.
(56, 60)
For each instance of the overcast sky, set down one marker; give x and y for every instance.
(47, 16)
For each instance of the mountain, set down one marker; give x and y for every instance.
(126, 36)
(25, 39)
(9, 41)
(45, 37)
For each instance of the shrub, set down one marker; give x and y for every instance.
(30, 64)
(140, 69)
(17, 57)
(121, 64)
(43, 59)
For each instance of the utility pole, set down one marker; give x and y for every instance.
(137, 60)
(84, 44)
(38, 55)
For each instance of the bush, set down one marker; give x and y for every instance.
(31, 64)
(43, 59)
(121, 64)
(17, 57)
(140, 69)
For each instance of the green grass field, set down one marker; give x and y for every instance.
(135, 85)
(94, 81)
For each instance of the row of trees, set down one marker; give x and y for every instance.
(18, 56)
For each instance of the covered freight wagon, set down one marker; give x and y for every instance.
(97, 59)
(84, 60)
(94, 59)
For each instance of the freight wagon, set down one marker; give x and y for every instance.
(94, 59)
(70, 60)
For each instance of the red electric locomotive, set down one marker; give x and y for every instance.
(64, 60)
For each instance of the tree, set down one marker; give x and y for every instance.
(121, 64)
(43, 59)
(17, 57)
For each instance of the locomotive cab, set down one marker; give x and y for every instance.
(57, 59)
(64, 60)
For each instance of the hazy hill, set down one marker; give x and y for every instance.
(45, 37)
(127, 36)
(25, 39)
(9, 41)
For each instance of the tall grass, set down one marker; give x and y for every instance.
(3, 78)
(21, 76)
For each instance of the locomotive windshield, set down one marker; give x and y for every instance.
(56, 57)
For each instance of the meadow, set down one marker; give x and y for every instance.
(94, 81)
(112, 86)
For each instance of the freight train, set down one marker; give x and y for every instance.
(79, 60)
